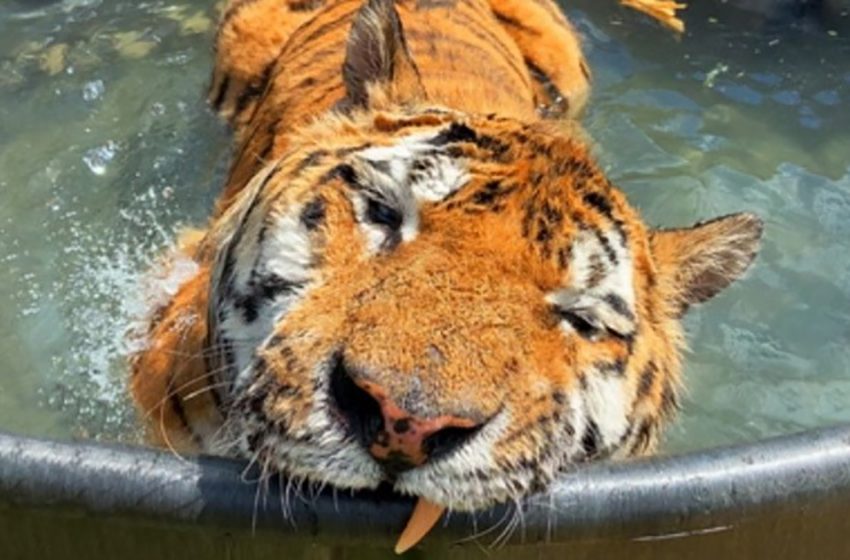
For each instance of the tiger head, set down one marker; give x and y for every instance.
(462, 306)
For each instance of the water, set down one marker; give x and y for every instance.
(106, 148)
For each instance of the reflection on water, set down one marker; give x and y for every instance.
(106, 148)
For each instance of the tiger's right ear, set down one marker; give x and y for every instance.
(377, 56)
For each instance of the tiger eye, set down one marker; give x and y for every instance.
(381, 214)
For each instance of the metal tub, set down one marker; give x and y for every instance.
(787, 497)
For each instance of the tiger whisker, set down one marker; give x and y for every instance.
(205, 390)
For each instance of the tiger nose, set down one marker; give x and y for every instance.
(397, 439)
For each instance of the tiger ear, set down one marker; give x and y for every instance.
(700, 261)
(377, 55)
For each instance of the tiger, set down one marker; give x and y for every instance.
(416, 274)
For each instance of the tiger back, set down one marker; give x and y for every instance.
(281, 64)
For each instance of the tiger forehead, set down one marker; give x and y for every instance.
(535, 186)
(554, 171)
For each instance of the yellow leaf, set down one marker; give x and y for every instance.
(52, 60)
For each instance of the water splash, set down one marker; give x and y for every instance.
(93, 90)
(101, 294)
(98, 159)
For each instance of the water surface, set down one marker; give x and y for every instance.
(106, 149)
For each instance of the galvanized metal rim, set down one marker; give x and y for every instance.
(688, 493)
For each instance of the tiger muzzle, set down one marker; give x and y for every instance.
(395, 438)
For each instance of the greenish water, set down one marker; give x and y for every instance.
(106, 148)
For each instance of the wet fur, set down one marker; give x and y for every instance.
(517, 287)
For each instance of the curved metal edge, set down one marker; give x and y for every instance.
(672, 494)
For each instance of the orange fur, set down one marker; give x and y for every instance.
(291, 61)
(465, 314)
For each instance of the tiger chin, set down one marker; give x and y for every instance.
(416, 274)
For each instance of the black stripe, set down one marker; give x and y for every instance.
(222, 93)
(459, 132)
(473, 27)
(177, 406)
(254, 203)
(615, 367)
(456, 132)
(305, 5)
(259, 293)
(254, 89)
(600, 203)
(585, 71)
(433, 4)
(298, 43)
(565, 254)
(590, 439)
(312, 159)
(492, 192)
(342, 152)
(247, 148)
(496, 41)
(313, 213)
(266, 153)
(499, 76)
(647, 379)
(508, 21)
(320, 94)
(346, 173)
(644, 437)
(229, 256)
(619, 305)
(309, 59)
(230, 14)
(606, 246)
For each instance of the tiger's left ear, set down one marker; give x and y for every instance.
(700, 261)
(377, 56)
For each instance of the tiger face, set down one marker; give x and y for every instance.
(459, 305)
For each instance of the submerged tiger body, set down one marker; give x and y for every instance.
(416, 273)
